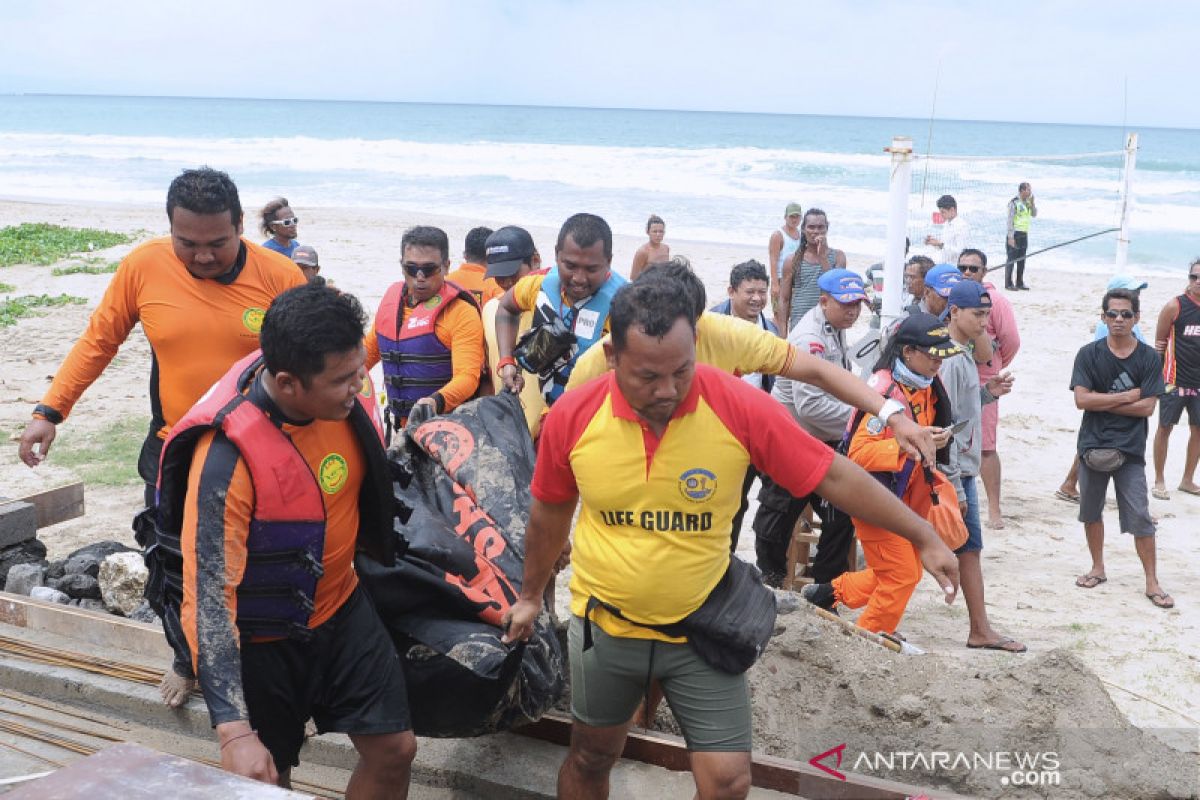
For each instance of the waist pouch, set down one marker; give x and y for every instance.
(544, 348)
(729, 630)
(1104, 459)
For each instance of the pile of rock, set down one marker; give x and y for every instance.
(105, 576)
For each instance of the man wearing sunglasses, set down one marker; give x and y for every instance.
(1177, 340)
(280, 223)
(1117, 381)
(1006, 341)
(427, 332)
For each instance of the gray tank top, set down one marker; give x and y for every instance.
(805, 291)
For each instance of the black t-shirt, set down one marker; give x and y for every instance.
(1097, 369)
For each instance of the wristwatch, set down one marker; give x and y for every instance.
(889, 407)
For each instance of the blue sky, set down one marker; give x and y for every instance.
(1044, 61)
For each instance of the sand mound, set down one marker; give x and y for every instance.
(1045, 717)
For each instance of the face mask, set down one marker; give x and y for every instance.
(912, 380)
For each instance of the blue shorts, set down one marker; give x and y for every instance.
(974, 542)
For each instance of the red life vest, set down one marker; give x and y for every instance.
(286, 542)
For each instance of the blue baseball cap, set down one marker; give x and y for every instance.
(842, 285)
(968, 294)
(1126, 282)
(941, 278)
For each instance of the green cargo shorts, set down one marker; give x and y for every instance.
(610, 679)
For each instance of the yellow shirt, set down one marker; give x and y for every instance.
(730, 344)
(653, 534)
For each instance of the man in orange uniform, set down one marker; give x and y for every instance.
(272, 482)
(200, 295)
(907, 371)
(656, 451)
(427, 332)
(472, 273)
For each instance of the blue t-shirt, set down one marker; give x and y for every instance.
(287, 250)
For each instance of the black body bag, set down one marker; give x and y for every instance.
(731, 627)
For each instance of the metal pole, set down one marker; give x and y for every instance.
(897, 227)
(1131, 146)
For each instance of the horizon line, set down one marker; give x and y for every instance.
(1126, 127)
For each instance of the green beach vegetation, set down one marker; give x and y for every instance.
(90, 266)
(107, 457)
(14, 308)
(43, 243)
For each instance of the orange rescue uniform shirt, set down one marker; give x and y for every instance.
(460, 329)
(197, 327)
(472, 277)
(211, 540)
(653, 534)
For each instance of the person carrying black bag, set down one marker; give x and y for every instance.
(657, 452)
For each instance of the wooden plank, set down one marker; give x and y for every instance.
(134, 772)
(767, 772)
(58, 504)
(93, 627)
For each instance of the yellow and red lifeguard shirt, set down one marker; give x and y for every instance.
(653, 535)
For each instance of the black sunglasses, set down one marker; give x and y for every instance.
(1124, 313)
(424, 270)
(969, 268)
(1194, 277)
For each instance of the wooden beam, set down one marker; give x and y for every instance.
(93, 627)
(58, 504)
(767, 772)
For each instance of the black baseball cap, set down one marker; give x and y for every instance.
(305, 256)
(928, 333)
(507, 249)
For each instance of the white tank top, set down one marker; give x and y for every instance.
(790, 246)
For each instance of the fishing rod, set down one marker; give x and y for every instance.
(1052, 247)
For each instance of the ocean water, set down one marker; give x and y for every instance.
(713, 176)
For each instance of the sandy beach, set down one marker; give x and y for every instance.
(1148, 659)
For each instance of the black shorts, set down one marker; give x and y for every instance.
(348, 678)
(1171, 406)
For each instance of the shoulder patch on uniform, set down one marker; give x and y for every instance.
(816, 348)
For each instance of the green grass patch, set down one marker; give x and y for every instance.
(86, 269)
(102, 458)
(43, 243)
(6, 288)
(14, 308)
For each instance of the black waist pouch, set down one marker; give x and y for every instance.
(731, 627)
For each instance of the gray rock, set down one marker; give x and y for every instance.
(86, 560)
(56, 569)
(122, 580)
(143, 613)
(786, 602)
(49, 595)
(79, 586)
(30, 552)
(90, 605)
(23, 577)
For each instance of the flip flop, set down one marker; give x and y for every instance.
(1000, 644)
(1190, 491)
(1161, 599)
(1091, 581)
(1161, 494)
(1070, 498)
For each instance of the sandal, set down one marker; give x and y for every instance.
(1161, 599)
(1070, 498)
(1002, 644)
(1161, 494)
(1091, 581)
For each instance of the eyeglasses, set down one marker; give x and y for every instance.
(1193, 277)
(965, 268)
(290, 222)
(424, 270)
(1124, 313)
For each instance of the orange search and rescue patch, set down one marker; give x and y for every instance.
(252, 318)
(333, 473)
